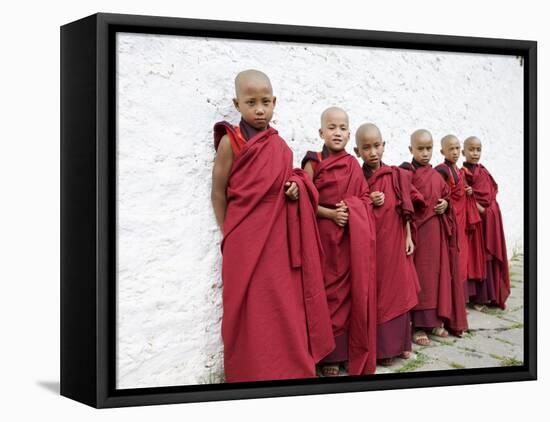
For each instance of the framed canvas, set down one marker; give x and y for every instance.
(142, 300)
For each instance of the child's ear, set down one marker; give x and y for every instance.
(441, 151)
(356, 151)
(236, 104)
(463, 153)
(274, 101)
(410, 149)
(321, 133)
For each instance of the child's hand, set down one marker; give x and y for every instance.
(469, 190)
(480, 208)
(292, 191)
(377, 198)
(342, 205)
(441, 206)
(341, 214)
(409, 246)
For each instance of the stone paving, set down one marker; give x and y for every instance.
(495, 337)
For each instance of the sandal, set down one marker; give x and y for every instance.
(480, 308)
(332, 370)
(440, 332)
(421, 338)
(385, 362)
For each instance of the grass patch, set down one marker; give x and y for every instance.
(510, 362)
(493, 311)
(468, 349)
(456, 365)
(444, 341)
(413, 363)
(468, 334)
(503, 341)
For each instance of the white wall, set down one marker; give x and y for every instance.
(30, 210)
(170, 92)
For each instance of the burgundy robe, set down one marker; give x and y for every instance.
(485, 192)
(276, 323)
(436, 255)
(350, 260)
(396, 279)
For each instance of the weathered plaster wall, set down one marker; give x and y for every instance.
(170, 92)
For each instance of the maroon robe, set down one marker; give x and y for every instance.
(396, 279)
(485, 192)
(276, 323)
(350, 260)
(441, 298)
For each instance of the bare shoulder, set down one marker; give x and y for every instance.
(224, 151)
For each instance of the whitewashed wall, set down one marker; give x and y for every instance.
(170, 92)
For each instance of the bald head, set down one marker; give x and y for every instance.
(251, 78)
(450, 148)
(367, 130)
(421, 146)
(333, 112)
(448, 140)
(420, 135)
(471, 140)
(472, 150)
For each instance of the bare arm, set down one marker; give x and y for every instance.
(409, 245)
(220, 177)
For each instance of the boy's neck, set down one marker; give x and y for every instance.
(248, 130)
(450, 163)
(417, 164)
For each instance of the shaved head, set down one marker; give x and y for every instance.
(251, 77)
(471, 140)
(448, 139)
(332, 111)
(367, 130)
(420, 134)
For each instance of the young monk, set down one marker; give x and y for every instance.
(275, 323)
(396, 280)
(485, 189)
(468, 220)
(435, 236)
(346, 227)
(463, 205)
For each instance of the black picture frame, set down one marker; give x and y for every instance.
(88, 208)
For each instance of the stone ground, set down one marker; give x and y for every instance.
(495, 337)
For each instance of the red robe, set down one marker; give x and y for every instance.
(350, 260)
(485, 193)
(275, 323)
(436, 253)
(477, 267)
(452, 175)
(396, 279)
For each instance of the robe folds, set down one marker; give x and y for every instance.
(436, 253)
(350, 260)
(276, 322)
(485, 192)
(397, 281)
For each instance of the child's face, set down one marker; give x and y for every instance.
(370, 148)
(451, 150)
(472, 151)
(422, 148)
(255, 102)
(335, 130)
